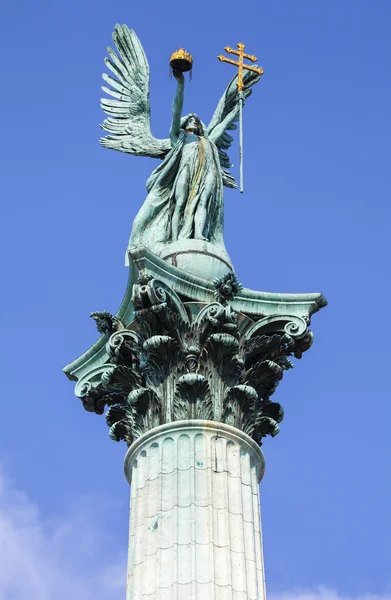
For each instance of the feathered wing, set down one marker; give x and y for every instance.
(228, 102)
(129, 119)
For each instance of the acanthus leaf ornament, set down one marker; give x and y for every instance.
(183, 360)
(226, 287)
(106, 322)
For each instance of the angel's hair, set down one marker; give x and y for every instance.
(185, 120)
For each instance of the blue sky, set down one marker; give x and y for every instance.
(315, 216)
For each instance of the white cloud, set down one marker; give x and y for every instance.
(67, 559)
(43, 559)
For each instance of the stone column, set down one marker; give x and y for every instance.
(186, 371)
(195, 529)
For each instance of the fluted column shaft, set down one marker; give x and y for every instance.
(195, 523)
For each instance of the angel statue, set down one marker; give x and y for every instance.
(185, 192)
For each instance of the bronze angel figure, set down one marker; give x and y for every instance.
(185, 192)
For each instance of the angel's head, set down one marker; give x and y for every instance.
(193, 124)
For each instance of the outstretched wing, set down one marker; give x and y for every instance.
(129, 119)
(228, 102)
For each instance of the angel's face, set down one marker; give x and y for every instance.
(193, 124)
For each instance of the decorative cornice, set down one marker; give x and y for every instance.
(144, 263)
(248, 301)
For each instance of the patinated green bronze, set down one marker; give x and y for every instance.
(185, 192)
(181, 347)
(188, 341)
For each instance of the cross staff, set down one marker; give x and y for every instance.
(241, 65)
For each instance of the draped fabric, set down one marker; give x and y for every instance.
(185, 197)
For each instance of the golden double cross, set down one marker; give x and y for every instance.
(239, 63)
(241, 66)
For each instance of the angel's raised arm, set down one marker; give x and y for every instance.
(224, 119)
(219, 130)
(177, 107)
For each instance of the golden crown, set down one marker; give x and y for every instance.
(181, 60)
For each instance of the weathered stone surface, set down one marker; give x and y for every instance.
(195, 521)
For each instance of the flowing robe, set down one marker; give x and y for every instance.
(185, 197)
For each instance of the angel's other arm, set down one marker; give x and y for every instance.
(177, 107)
(218, 131)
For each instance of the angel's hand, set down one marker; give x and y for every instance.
(179, 76)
